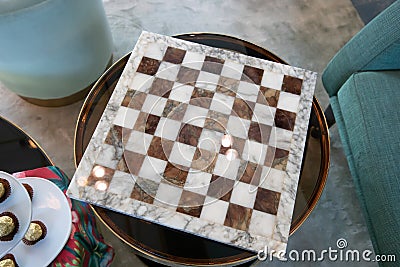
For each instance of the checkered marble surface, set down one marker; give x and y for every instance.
(202, 140)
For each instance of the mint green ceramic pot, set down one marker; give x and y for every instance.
(51, 50)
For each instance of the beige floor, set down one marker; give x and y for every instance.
(306, 33)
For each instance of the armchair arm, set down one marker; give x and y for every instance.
(375, 47)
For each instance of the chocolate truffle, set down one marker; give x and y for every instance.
(8, 226)
(5, 189)
(29, 189)
(8, 261)
(36, 232)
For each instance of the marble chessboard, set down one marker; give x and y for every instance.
(203, 140)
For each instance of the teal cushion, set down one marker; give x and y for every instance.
(375, 47)
(368, 114)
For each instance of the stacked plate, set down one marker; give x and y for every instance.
(48, 205)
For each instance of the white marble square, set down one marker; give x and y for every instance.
(280, 138)
(248, 91)
(122, 184)
(210, 140)
(181, 92)
(168, 195)
(232, 70)
(288, 101)
(109, 156)
(272, 179)
(154, 104)
(254, 152)
(262, 223)
(182, 154)
(195, 115)
(238, 127)
(197, 182)
(152, 169)
(222, 103)
(167, 129)
(244, 194)
(141, 82)
(272, 80)
(155, 50)
(138, 142)
(168, 71)
(207, 80)
(214, 210)
(126, 117)
(193, 60)
(226, 168)
(264, 114)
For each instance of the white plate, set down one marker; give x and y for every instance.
(18, 203)
(50, 206)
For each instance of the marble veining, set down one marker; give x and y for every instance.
(205, 140)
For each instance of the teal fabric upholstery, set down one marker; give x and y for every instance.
(375, 47)
(363, 81)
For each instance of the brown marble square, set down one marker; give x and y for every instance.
(133, 161)
(259, 132)
(176, 174)
(140, 124)
(201, 97)
(213, 65)
(265, 133)
(249, 173)
(204, 160)
(292, 85)
(160, 148)
(268, 96)
(216, 121)
(128, 97)
(174, 110)
(151, 124)
(148, 66)
(161, 87)
(121, 166)
(238, 217)
(285, 119)
(254, 132)
(144, 190)
(252, 74)
(267, 201)
(243, 109)
(134, 99)
(187, 76)
(220, 188)
(238, 145)
(100, 173)
(118, 136)
(280, 159)
(223, 149)
(174, 55)
(189, 134)
(191, 203)
(269, 158)
(227, 86)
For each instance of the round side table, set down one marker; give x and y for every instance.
(170, 247)
(19, 152)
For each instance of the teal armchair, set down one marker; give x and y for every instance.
(363, 82)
